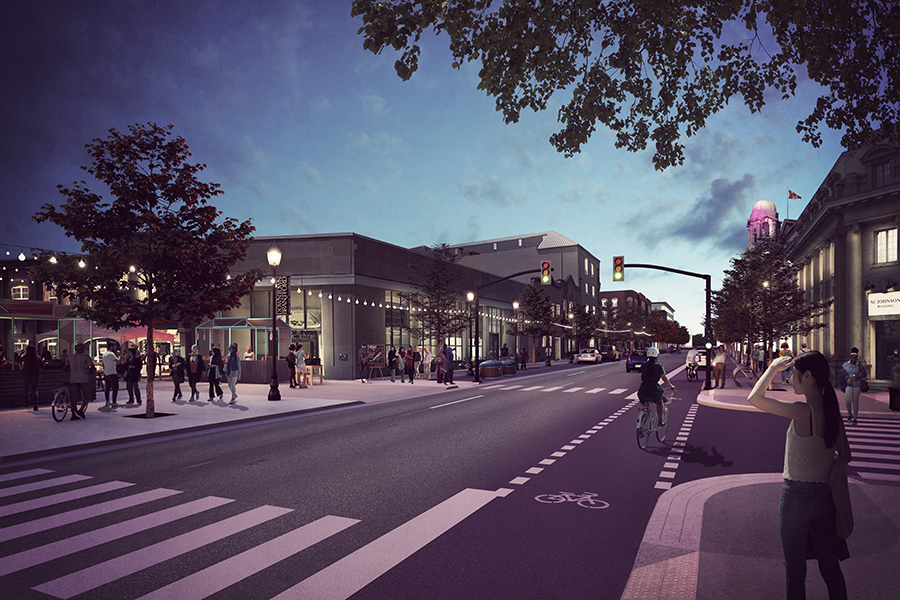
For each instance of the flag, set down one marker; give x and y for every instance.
(793, 196)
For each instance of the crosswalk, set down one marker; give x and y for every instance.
(64, 520)
(555, 388)
(875, 445)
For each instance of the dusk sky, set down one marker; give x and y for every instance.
(308, 133)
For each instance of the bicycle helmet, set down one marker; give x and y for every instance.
(652, 352)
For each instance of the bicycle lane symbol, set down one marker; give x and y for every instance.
(585, 499)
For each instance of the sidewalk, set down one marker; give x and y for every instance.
(717, 538)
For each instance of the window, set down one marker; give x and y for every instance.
(881, 175)
(630, 302)
(585, 266)
(886, 246)
(19, 292)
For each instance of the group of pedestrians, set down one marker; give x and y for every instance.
(411, 363)
(296, 361)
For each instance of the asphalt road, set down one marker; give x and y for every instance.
(434, 497)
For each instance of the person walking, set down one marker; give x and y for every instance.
(856, 373)
(233, 371)
(426, 362)
(216, 372)
(448, 364)
(110, 376)
(807, 510)
(401, 364)
(415, 364)
(719, 366)
(195, 370)
(133, 376)
(176, 370)
(301, 366)
(81, 381)
(291, 359)
(785, 351)
(439, 367)
(392, 363)
(31, 375)
(364, 363)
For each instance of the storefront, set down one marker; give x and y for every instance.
(884, 333)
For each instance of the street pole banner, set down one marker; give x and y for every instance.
(884, 305)
(282, 297)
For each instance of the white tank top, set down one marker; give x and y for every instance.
(806, 458)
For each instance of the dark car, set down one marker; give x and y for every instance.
(608, 353)
(635, 360)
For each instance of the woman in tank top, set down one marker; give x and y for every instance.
(815, 433)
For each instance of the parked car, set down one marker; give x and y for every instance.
(635, 360)
(609, 353)
(589, 355)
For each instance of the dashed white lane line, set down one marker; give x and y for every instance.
(595, 391)
(674, 459)
(553, 389)
(572, 390)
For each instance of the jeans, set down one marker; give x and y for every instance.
(807, 511)
(112, 384)
(232, 385)
(31, 389)
(851, 398)
(134, 390)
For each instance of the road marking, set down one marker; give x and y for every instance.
(456, 401)
(553, 389)
(228, 572)
(547, 461)
(663, 485)
(558, 454)
(64, 547)
(567, 448)
(618, 391)
(101, 488)
(595, 391)
(355, 571)
(534, 387)
(574, 373)
(79, 514)
(22, 474)
(534, 470)
(573, 390)
(127, 564)
(520, 480)
(510, 387)
(41, 485)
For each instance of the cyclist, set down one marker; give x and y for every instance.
(651, 372)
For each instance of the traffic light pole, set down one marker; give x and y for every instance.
(478, 312)
(708, 332)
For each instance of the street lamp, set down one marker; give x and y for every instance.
(274, 256)
(574, 337)
(473, 296)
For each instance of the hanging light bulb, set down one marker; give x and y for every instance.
(52, 260)
(81, 263)
(21, 256)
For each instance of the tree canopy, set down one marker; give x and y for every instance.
(436, 297)
(157, 250)
(655, 70)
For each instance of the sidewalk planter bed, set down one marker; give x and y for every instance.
(491, 369)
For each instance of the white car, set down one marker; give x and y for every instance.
(589, 355)
(696, 355)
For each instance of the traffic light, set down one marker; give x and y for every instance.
(546, 278)
(618, 268)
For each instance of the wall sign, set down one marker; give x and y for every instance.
(884, 305)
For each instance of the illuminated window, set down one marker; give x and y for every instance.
(886, 246)
(19, 292)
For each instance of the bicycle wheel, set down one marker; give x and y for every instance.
(60, 405)
(592, 503)
(550, 498)
(643, 429)
(662, 429)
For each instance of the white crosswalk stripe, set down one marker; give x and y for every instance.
(875, 446)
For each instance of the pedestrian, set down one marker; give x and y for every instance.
(133, 376)
(233, 371)
(807, 509)
(523, 359)
(46, 357)
(719, 365)
(31, 375)
(548, 354)
(301, 366)
(216, 371)
(426, 362)
(292, 365)
(248, 355)
(401, 364)
(650, 390)
(856, 374)
(110, 376)
(176, 370)
(803, 348)
(392, 362)
(364, 363)
(448, 364)
(786, 351)
(440, 370)
(195, 370)
(504, 352)
(81, 381)
(416, 364)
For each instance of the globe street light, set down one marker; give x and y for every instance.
(274, 256)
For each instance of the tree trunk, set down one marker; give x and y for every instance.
(151, 369)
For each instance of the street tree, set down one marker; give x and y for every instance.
(656, 70)
(156, 250)
(760, 299)
(583, 326)
(537, 309)
(437, 295)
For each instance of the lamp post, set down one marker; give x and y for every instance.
(473, 296)
(274, 256)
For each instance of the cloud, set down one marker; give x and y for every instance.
(383, 147)
(312, 174)
(373, 104)
(489, 189)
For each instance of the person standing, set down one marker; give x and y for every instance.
(785, 351)
(216, 371)
(248, 355)
(426, 362)
(195, 369)
(291, 359)
(401, 364)
(364, 363)
(523, 359)
(448, 364)
(133, 376)
(176, 370)
(416, 363)
(439, 369)
(31, 375)
(719, 366)
(855, 374)
(807, 510)
(233, 372)
(301, 366)
(110, 376)
(81, 381)
(392, 363)
(504, 352)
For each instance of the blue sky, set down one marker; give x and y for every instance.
(308, 133)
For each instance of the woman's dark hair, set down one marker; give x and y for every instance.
(814, 362)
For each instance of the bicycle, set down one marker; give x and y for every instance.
(647, 422)
(60, 405)
(584, 500)
(691, 371)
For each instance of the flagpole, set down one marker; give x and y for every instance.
(787, 216)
